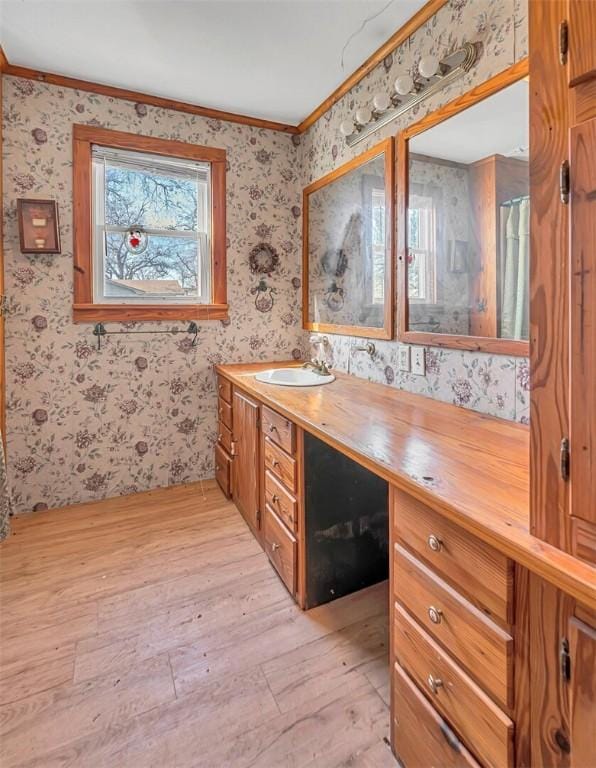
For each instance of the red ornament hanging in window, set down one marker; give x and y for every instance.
(136, 239)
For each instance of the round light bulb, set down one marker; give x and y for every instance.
(428, 66)
(347, 127)
(381, 102)
(363, 115)
(404, 84)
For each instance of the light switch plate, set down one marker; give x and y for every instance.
(404, 357)
(418, 361)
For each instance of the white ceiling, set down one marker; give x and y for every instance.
(275, 59)
(498, 125)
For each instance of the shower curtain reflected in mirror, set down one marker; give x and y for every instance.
(514, 268)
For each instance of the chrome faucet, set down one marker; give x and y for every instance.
(318, 366)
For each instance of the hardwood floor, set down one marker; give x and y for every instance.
(151, 631)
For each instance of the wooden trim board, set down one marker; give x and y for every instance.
(400, 36)
(84, 309)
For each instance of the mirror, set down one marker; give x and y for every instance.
(465, 260)
(348, 263)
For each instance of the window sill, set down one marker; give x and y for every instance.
(97, 313)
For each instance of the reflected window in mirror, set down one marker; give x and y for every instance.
(348, 253)
(465, 252)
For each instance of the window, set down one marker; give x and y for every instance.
(421, 249)
(149, 228)
(378, 246)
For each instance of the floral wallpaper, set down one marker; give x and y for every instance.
(84, 424)
(488, 383)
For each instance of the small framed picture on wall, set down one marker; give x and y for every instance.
(39, 229)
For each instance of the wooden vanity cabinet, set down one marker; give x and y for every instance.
(562, 672)
(223, 447)
(258, 461)
(246, 461)
(453, 659)
(563, 275)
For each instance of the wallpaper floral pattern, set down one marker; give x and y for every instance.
(84, 424)
(491, 384)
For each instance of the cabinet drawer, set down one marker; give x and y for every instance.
(421, 738)
(279, 429)
(224, 390)
(479, 721)
(224, 411)
(280, 501)
(222, 469)
(280, 464)
(482, 647)
(224, 437)
(280, 546)
(483, 573)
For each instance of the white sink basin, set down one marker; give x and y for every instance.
(293, 377)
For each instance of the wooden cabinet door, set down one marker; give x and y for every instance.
(245, 466)
(583, 337)
(582, 33)
(582, 704)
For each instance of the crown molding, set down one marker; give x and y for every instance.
(421, 17)
(137, 96)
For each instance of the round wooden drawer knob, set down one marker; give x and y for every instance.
(434, 683)
(435, 614)
(435, 543)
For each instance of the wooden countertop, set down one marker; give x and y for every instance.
(472, 468)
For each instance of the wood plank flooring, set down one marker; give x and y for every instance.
(151, 630)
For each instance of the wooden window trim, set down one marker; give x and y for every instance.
(84, 309)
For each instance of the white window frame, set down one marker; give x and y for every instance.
(425, 253)
(379, 250)
(131, 158)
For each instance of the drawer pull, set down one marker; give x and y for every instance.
(274, 546)
(435, 614)
(275, 498)
(435, 543)
(272, 428)
(217, 468)
(434, 683)
(275, 463)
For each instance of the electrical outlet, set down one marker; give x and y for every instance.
(418, 361)
(404, 358)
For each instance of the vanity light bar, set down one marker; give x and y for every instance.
(447, 71)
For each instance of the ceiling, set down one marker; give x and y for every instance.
(498, 125)
(273, 59)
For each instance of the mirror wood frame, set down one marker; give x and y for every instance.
(386, 331)
(515, 347)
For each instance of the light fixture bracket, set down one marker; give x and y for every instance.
(451, 68)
